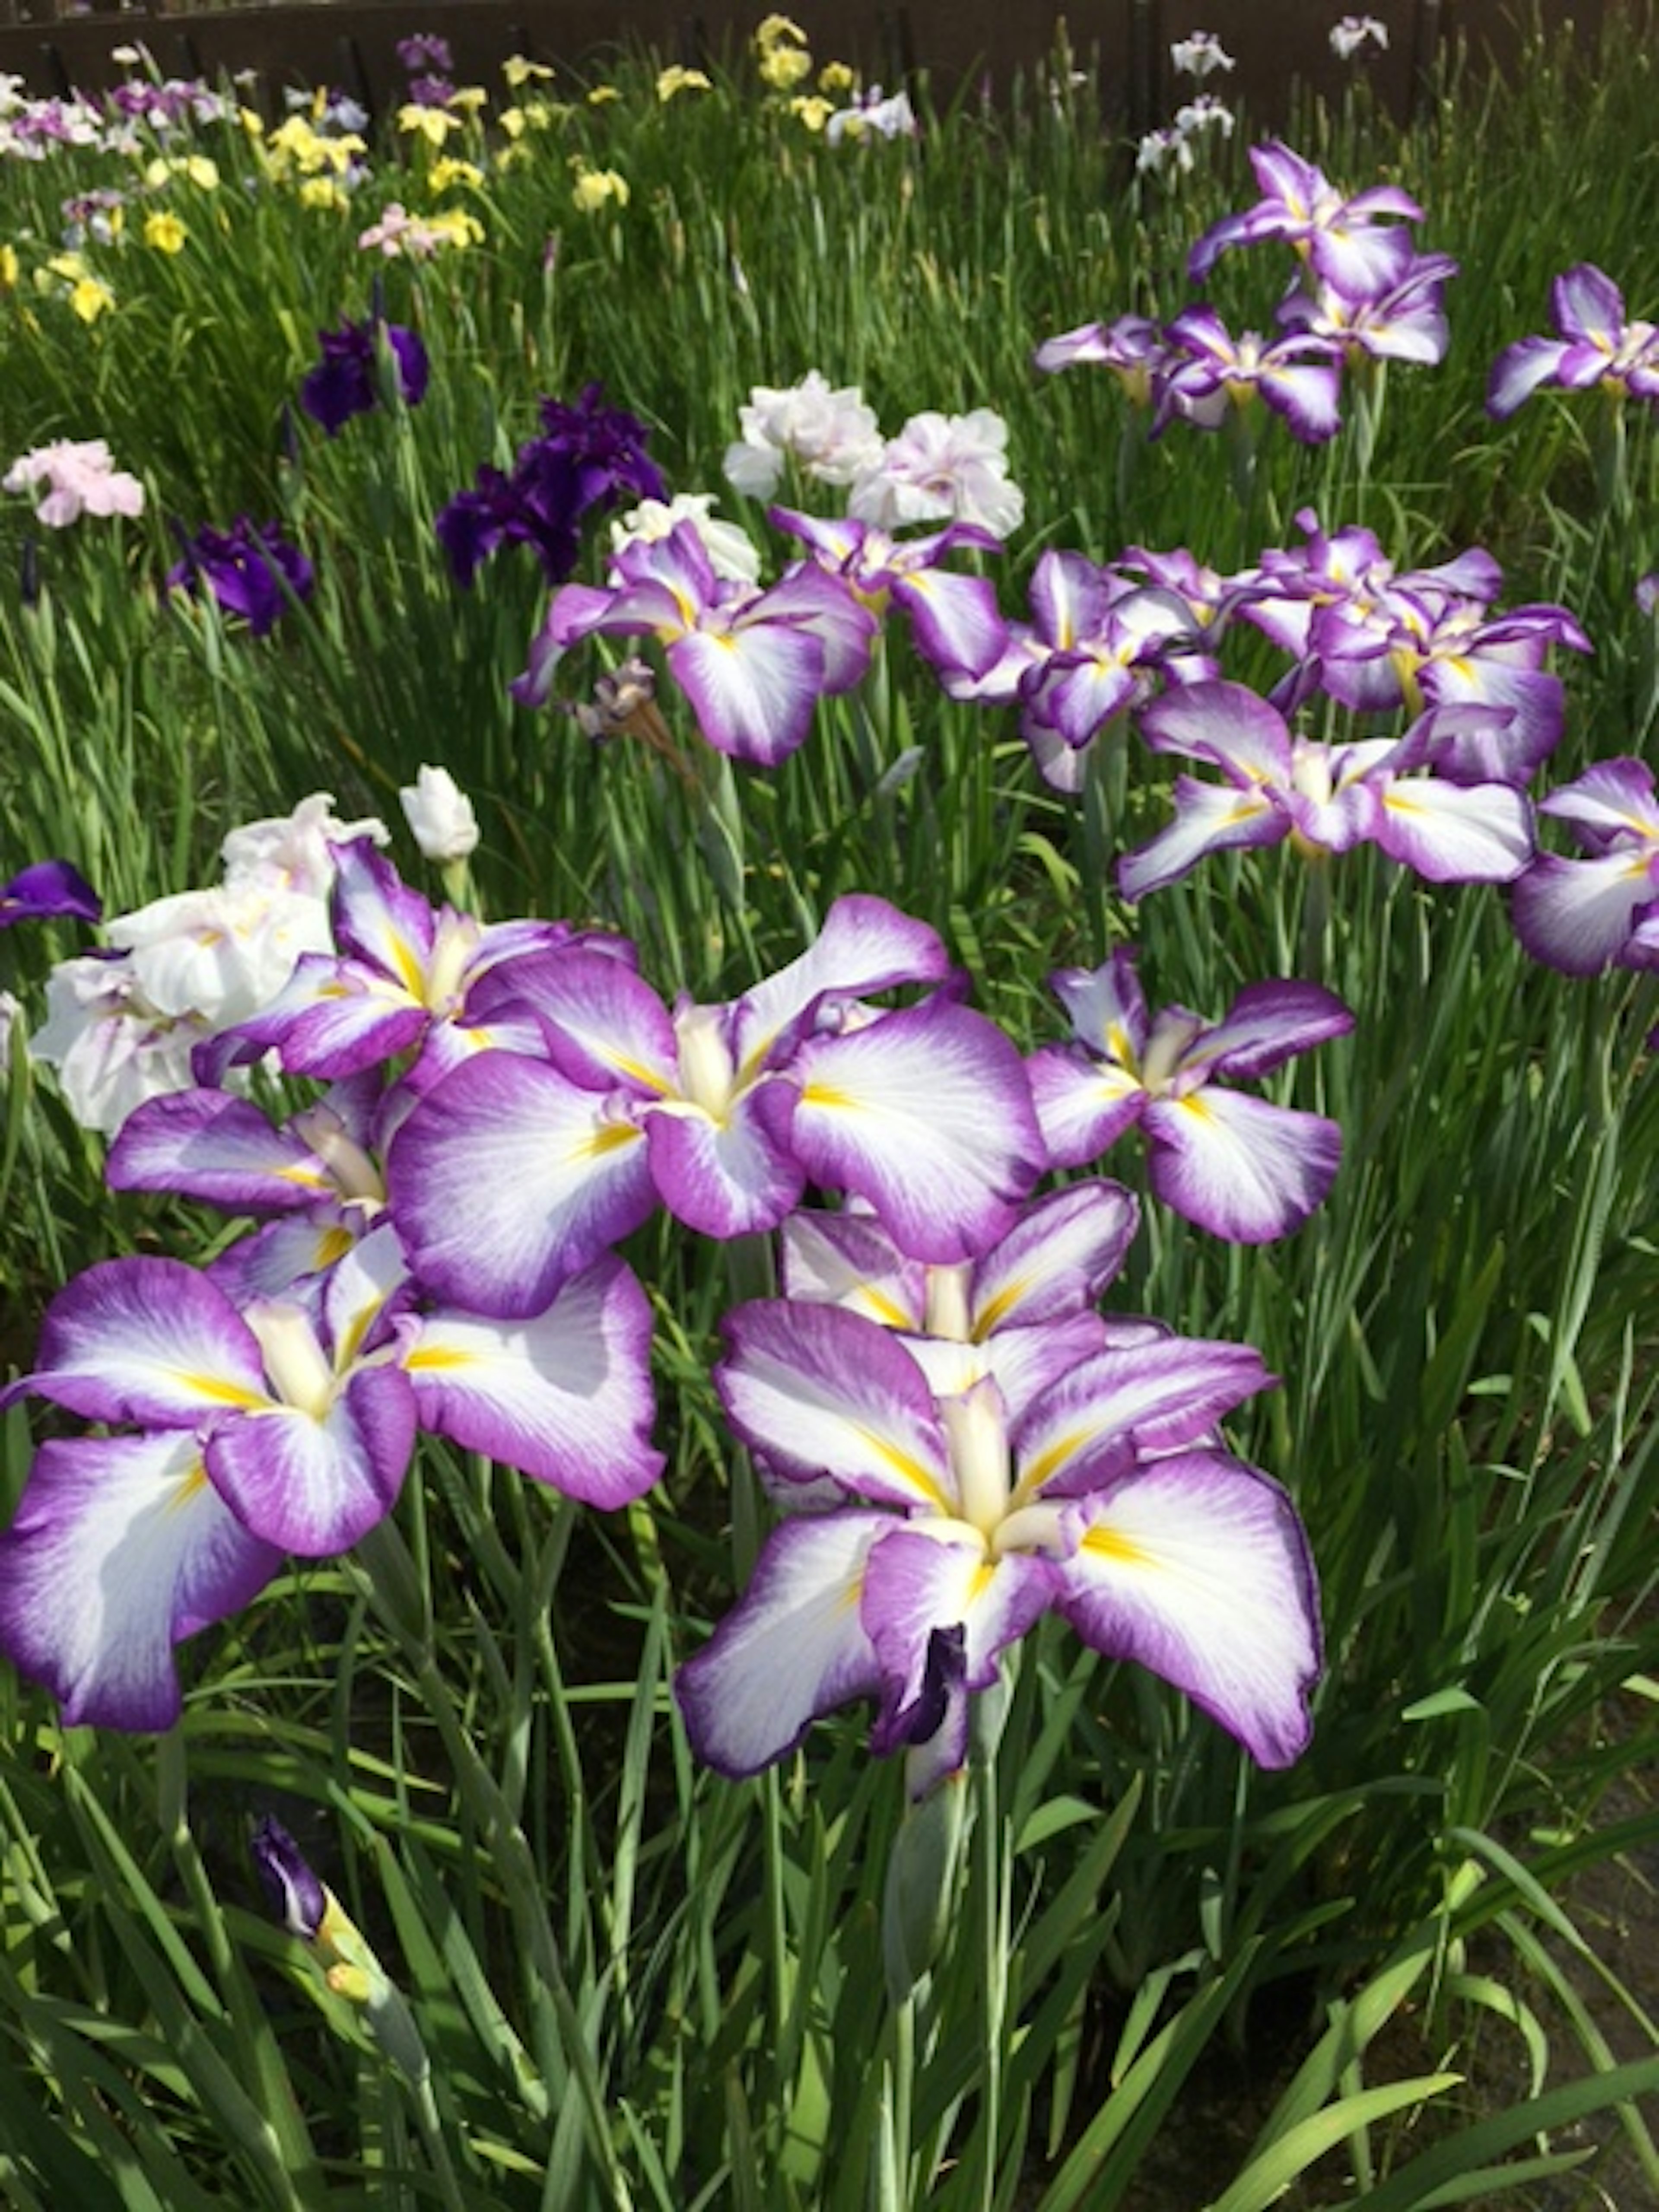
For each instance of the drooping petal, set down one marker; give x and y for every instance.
(1362, 260)
(792, 1649)
(1058, 1258)
(956, 620)
(506, 1180)
(565, 1396)
(825, 606)
(1523, 728)
(604, 1025)
(730, 1175)
(1077, 698)
(332, 1019)
(1519, 371)
(1307, 395)
(1084, 1105)
(147, 1340)
(927, 1114)
(754, 690)
(1209, 818)
(1225, 724)
(1237, 1165)
(120, 1548)
(314, 1486)
(816, 1390)
(1578, 916)
(1453, 832)
(1197, 1568)
(1611, 804)
(211, 1145)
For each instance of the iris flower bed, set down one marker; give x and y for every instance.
(826, 1254)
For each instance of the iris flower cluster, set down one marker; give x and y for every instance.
(1363, 293)
(957, 1437)
(1453, 705)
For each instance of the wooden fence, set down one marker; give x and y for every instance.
(53, 45)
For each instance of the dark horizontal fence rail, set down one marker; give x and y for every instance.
(960, 45)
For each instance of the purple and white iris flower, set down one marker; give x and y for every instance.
(1340, 237)
(254, 1433)
(1237, 1165)
(1407, 321)
(1205, 369)
(1101, 1495)
(1328, 798)
(1593, 344)
(400, 983)
(1097, 646)
(1426, 649)
(754, 664)
(279, 1425)
(512, 1170)
(1583, 915)
(954, 619)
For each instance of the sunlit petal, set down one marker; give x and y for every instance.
(927, 1114)
(507, 1179)
(565, 1396)
(1197, 1568)
(792, 1649)
(1239, 1166)
(120, 1548)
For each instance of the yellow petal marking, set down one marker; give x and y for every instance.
(191, 1486)
(438, 1355)
(1047, 1463)
(903, 1464)
(1109, 1543)
(222, 1393)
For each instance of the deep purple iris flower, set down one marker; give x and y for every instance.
(250, 568)
(588, 455)
(46, 889)
(346, 382)
(425, 50)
